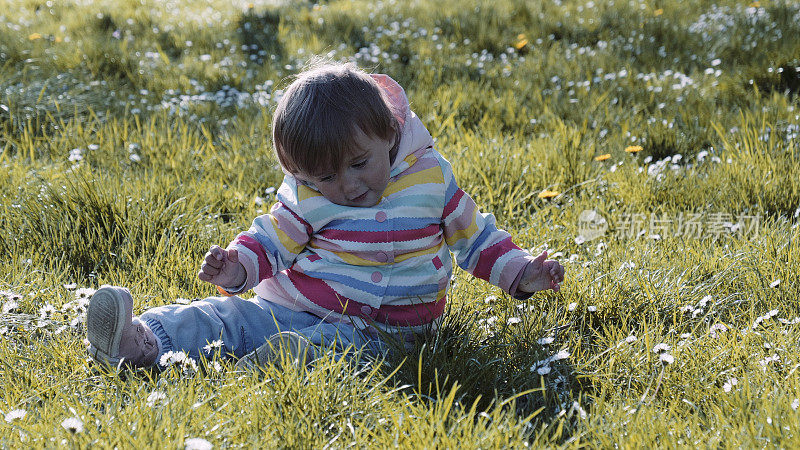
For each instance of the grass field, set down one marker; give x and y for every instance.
(653, 146)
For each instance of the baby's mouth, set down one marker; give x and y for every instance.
(360, 197)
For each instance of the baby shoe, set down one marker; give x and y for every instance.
(292, 345)
(114, 334)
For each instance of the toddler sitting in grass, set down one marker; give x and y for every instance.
(356, 248)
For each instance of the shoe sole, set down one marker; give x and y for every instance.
(271, 351)
(105, 319)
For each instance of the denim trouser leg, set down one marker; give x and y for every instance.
(242, 325)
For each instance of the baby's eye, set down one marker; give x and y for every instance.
(360, 164)
(326, 178)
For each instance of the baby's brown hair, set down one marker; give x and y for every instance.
(314, 126)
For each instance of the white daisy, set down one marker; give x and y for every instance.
(197, 444)
(155, 398)
(661, 348)
(15, 414)
(73, 424)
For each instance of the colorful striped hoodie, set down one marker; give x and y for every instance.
(388, 265)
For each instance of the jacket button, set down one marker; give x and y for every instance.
(382, 257)
(366, 310)
(380, 216)
(376, 277)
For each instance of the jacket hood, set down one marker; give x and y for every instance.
(413, 134)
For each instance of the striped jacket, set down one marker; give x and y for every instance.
(388, 265)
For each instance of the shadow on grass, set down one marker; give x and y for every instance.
(488, 370)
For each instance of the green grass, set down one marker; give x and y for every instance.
(164, 109)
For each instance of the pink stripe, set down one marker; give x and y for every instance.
(309, 229)
(264, 267)
(411, 315)
(420, 165)
(463, 221)
(289, 227)
(453, 203)
(437, 262)
(322, 294)
(489, 255)
(374, 237)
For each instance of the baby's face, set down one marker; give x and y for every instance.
(362, 178)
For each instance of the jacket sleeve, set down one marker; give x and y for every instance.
(479, 247)
(273, 241)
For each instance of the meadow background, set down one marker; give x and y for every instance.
(135, 134)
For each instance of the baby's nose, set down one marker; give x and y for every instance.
(351, 187)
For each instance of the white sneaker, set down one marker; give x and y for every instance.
(114, 334)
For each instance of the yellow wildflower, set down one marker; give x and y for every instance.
(658, 12)
(633, 148)
(34, 36)
(602, 157)
(548, 193)
(755, 4)
(522, 41)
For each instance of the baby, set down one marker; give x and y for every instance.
(356, 247)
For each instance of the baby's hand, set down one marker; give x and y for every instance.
(542, 274)
(222, 268)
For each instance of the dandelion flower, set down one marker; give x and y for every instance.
(633, 148)
(15, 414)
(666, 359)
(34, 36)
(548, 193)
(730, 384)
(73, 424)
(197, 444)
(755, 4)
(522, 41)
(658, 12)
(602, 157)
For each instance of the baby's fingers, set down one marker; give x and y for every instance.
(213, 261)
(209, 269)
(233, 255)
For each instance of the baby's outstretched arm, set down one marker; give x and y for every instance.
(222, 268)
(541, 274)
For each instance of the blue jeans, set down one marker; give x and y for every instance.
(243, 325)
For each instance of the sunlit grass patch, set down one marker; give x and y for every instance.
(651, 148)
